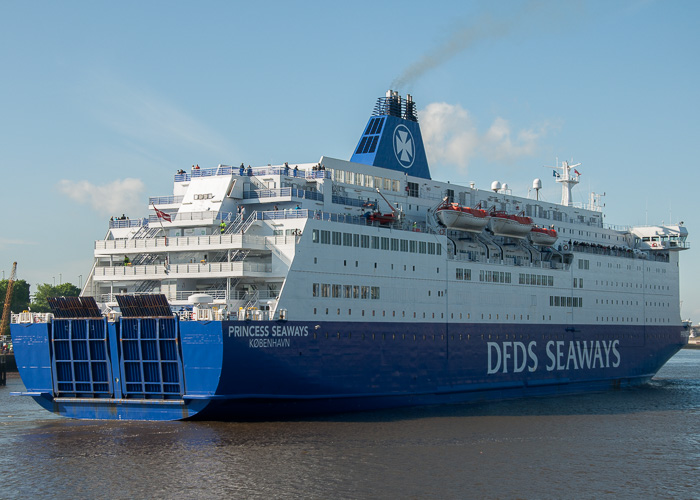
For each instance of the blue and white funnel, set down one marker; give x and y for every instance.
(392, 138)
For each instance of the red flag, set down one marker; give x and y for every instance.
(577, 172)
(162, 215)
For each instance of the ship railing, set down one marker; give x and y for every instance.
(285, 192)
(164, 200)
(262, 294)
(232, 240)
(181, 295)
(185, 294)
(179, 269)
(253, 171)
(30, 317)
(126, 223)
(195, 216)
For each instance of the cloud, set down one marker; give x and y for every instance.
(451, 137)
(5, 242)
(119, 196)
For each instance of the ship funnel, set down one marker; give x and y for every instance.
(392, 138)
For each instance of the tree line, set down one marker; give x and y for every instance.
(21, 296)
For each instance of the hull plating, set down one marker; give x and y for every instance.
(244, 370)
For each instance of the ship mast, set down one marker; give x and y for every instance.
(567, 180)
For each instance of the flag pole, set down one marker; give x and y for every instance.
(162, 215)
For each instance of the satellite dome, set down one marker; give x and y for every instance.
(495, 186)
(537, 184)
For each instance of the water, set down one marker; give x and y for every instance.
(642, 442)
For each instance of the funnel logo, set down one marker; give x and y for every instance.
(404, 148)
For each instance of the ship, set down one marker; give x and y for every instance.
(289, 290)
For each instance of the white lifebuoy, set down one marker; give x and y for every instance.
(441, 231)
(566, 247)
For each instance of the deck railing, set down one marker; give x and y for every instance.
(253, 171)
(137, 272)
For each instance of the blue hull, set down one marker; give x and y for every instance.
(163, 369)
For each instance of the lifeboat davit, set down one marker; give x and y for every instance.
(505, 224)
(543, 236)
(455, 216)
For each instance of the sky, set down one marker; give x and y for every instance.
(101, 102)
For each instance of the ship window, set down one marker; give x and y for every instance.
(314, 236)
(336, 291)
(325, 237)
(364, 241)
(347, 239)
(404, 245)
(422, 247)
(431, 248)
(375, 242)
(362, 144)
(337, 238)
(387, 184)
(375, 293)
(365, 292)
(325, 290)
(347, 292)
(412, 246)
(395, 244)
(356, 240)
(395, 186)
(315, 289)
(355, 292)
(385, 243)
(413, 189)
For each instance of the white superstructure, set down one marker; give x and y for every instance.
(317, 241)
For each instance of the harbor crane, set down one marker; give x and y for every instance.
(5, 325)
